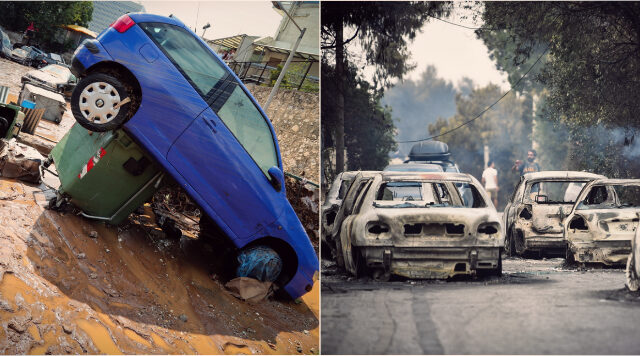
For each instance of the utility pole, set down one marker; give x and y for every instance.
(278, 5)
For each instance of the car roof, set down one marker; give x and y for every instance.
(144, 17)
(561, 175)
(616, 181)
(428, 167)
(439, 176)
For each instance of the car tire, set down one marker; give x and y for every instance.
(498, 270)
(339, 257)
(95, 96)
(508, 244)
(518, 244)
(632, 281)
(360, 263)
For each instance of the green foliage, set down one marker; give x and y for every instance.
(384, 30)
(292, 78)
(369, 128)
(502, 129)
(590, 78)
(47, 16)
(416, 104)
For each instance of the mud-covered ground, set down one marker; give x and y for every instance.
(69, 285)
(537, 307)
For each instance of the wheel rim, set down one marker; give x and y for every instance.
(630, 274)
(97, 102)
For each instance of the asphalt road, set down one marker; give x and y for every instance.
(537, 307)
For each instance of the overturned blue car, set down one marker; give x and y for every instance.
(155, 79)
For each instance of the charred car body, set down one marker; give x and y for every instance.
(633, 263)
(535, 212)
(332, 203)
(603, 221)
(417, 226)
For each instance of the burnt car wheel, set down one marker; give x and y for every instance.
(509, 244)
(339, 257)
(359, 262)
(100, 103)
(518, 244)
(632, 281)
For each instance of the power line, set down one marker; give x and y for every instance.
(488, 107)
(459, 25)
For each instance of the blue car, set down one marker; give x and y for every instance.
(156, 79)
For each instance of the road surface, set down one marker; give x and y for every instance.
(536, 307)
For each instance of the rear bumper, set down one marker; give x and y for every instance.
(545, 242)
(614, 252)
(431, 262)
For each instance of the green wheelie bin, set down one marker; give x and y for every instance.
(11, 119)
(105, 174)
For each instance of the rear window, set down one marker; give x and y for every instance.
(219, 89)
(611, 197)
(407, 194)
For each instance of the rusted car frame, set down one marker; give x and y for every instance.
(534, 214)
(384, 231)
(333, 201)
(602, 222)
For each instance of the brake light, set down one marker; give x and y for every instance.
(123, 23)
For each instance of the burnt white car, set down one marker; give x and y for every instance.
(603, 221)
(52, 77)
(534, 214)
(417, 225)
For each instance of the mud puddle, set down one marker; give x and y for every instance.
(69, 285)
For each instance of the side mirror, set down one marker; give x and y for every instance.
(541, 198)
(277, 178)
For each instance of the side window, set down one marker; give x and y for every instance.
(219, 89)
(344, 187)
(442, 194)
(515, 192)
(352, 195)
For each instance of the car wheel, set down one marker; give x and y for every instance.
(339, 257)
(508, 250)
(632, 281)
(518, 244)
(498, 270)
(360, 263)
(96, 103)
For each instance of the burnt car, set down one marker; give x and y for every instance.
(535, 212)
(633, 263)
(417, 226)
(332, 204)
(52, 77)
(603, 221)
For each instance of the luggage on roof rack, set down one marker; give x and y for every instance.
(430, 151)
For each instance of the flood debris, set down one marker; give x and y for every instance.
(19, 161)
(250, 289)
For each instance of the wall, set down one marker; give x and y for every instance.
(296, 118)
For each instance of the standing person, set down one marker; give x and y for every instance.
(529, 166)
(490, 181)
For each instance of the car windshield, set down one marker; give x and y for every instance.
(408, 194)
(219, 89)
(553, 192)
(611, 197)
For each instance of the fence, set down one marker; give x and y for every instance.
(297, 76)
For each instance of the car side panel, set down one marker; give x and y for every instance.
(169, 103)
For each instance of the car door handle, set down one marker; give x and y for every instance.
(211, 125)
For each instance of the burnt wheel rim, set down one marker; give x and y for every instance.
(98, 102)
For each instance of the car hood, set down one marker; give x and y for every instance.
(45, 77)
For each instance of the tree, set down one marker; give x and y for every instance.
(416, 104)
(383, 29)
(502, 129)
(592, 74)
(47, 16)
(369, 130)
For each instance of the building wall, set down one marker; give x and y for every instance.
(307, 15)
(296, 118)
(106, 12)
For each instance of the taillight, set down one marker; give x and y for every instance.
(123, 23)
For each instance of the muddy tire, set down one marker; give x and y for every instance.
(631, 277)
(94, 103)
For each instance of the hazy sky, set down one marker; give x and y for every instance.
(227, 18)
(456, 53)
